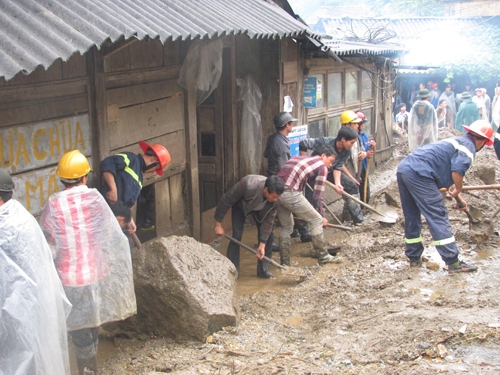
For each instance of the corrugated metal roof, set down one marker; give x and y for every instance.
(431, 41)
(37, 32)
(345, 47)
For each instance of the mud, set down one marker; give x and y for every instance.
(371, 314)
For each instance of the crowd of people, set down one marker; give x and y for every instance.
(72, 272)
(453, 109)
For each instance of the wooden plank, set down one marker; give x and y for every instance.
(191, 153)
(53, 72)
(117, 61)
(137, 94)
(290, 72)
(44, 111)
(43, 90)
(142, 76)
(75, 67)
(146, 54)
(22, 79)
(145, 121)
(171, 53)
(163, 210)
(230, 115)
(177, 200)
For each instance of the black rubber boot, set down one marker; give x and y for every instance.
(305, 235)
(86, 359)
(285, 251)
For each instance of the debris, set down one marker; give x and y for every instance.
(463, 329)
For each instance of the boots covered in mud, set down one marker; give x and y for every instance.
(352, 210)
(285, 251)
(320, 247)
(86, 359)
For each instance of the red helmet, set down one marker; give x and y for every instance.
(361, 116)
(160, 152)
(481, 128)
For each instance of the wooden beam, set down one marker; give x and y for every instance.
(192, 161)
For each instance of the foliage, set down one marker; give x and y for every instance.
(481, 64)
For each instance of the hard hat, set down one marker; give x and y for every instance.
(283, 118)
(6, 183)
(481, 128)
(361, 116)
(349, 116)
(160, 152)
(73, 165)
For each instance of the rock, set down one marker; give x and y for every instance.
(184, 290)
(424, 345)
(390, 200)
(486, 173)
(442, 351)
(463, 329)
(432, 266)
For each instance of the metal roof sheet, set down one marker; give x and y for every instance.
(37, 32)
(345, 47)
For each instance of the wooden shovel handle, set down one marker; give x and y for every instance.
(329, 225)
(253, 251)
(477, 187)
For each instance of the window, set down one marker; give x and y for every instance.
(335, 88)
(320, 90)
(333, 126)
(366, 86)
(351, 87)
(315, 129)
(369, 125)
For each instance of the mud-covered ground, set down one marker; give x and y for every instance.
(371, 314)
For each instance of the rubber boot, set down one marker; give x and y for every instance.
(86, 359)
(285, 250)
(346, 216)
(303, 228)
(355, 211)
(320, 247)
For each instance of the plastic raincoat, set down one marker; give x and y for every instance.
(92, 257)
(467, 114)
(422, 125)
(33, 307)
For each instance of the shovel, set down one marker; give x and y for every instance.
(477, 187)
(387, 216)
(253, 251)
(327, 208)
(329, 225)
(480, 231)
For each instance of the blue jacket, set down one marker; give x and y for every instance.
(438, 160)
(365, 141)
(128, 187)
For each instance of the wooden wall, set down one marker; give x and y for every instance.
(144, 102)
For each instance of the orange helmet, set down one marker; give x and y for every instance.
(481, 128)
(160, 152)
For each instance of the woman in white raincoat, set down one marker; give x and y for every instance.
(422, 122)
(92, 257)
(33, 337)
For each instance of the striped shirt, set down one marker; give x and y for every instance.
(297, 171)
(75, 225)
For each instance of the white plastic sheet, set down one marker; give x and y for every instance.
(422, 125)
(92, 257)
(33, 307)
(251, 126)
(202, 69)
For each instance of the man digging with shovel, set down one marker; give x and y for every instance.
(420, 176)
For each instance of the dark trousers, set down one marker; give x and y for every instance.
(350, 187)
(420, 195)
(238, 218)
(84, 337)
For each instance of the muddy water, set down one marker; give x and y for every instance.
(248, 282)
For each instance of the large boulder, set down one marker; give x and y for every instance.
(184, 290)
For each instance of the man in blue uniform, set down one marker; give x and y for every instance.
(122, 173)
(420, 176)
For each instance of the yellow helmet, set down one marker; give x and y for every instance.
(73, 165)
(348, 116)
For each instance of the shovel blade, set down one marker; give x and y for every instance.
(388, 215)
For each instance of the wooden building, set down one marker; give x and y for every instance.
(100, 76)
